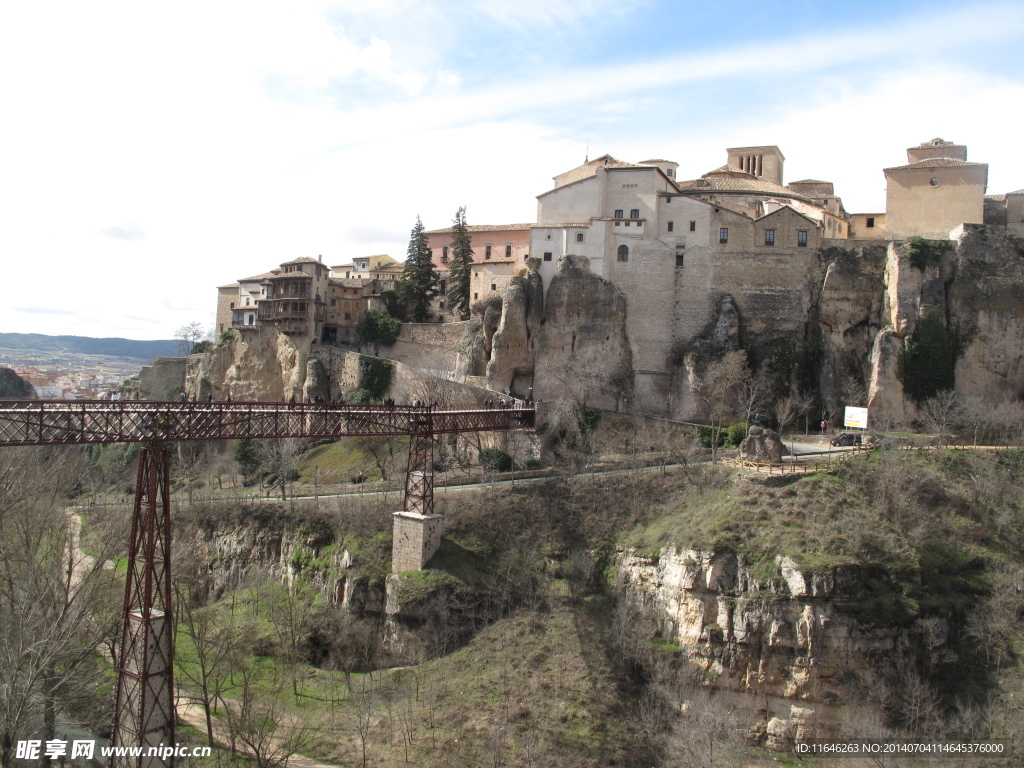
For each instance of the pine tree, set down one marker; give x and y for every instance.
(418, 285)
(460, 269)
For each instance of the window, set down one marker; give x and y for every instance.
(801, 238)
(333, 302)
(476, 296)
(769, 237)
(871, 221)
(693, 226)
(635, 213)
(487, 251)
(348, 316)
(723, 235)
(670, 226)
(623, 254)
(508, 250)
(618, 213)
(232, 305)
(444, 253)
(579, 237)
(444, 286)
(549, 235)
(442, 305)
(679, 258)
(494, 287)
(547, 255)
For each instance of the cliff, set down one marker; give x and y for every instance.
(13, 386)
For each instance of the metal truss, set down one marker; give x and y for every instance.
(70, 422)
(144, 707)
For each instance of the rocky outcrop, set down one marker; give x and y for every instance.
(514, 343)
(583, 349)
(164, 379)
(762, 444)
(317, 386)
(784, 638)
(259, 364)
(13, 386)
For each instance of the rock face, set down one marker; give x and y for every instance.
(583, 344)
(785, 640)
(514, 343)
(164, 379)
(762, 444)
(317, 386)
(258, 365)
(13, 386)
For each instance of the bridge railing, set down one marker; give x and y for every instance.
(70, 422)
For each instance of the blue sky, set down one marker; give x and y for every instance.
(153, 152)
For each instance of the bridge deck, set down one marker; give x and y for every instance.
(74, 422)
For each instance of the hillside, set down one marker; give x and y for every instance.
(589, 621)
(37, 343)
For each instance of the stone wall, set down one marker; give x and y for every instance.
(434, 347)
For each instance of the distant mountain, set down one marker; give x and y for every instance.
(86, 345)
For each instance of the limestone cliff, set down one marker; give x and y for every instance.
(260, 364)
(583, 349)
(784, 638)
(514, 342)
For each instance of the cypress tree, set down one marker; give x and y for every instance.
(460, 269)
(418, 285)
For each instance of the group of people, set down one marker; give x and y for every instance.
(501, 403)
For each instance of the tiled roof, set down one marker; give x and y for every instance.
(733, 184)
(1016, 192)
(935, 162)
(303, 260)
(257, 278)
(353, 282)
(810, 181)
(729, 169)
(229, 285)
(998, 198)
(291, 275)
(483, 228)
(936, 142)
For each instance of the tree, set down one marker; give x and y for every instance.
(247, 454)
(189, 335)
(378, 328)
(460, 270)
(56, 603)
(419, 282)
(716, 388)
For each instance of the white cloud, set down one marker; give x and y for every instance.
(228, 137)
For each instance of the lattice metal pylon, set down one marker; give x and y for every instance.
(419, 480)
(144, 709)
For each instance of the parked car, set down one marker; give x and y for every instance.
(845, 439)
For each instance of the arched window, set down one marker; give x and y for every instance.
(623, 254)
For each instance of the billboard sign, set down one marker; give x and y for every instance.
(856, 417)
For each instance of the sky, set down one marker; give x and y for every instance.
(153, 151)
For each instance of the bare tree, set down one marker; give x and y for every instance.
(715, 388)
(189, 335)
(941, 413)
(56, 603)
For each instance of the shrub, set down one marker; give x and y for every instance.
(531, 463)
(735, 433)
(925, 253)
(926, 363)
(706, 434)
(374, 377)
(495, 460)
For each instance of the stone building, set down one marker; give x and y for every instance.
(499, 254)
(935, 192)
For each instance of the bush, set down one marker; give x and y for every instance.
(531, 463)
(374, 377)
(495, 460)
(735, 433)
(706, 434)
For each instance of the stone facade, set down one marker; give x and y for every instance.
(415, 539)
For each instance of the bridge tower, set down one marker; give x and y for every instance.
(144, 708)
(416, 533)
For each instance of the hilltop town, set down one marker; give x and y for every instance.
(630, 272)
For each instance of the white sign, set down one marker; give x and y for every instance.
(856, 417)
